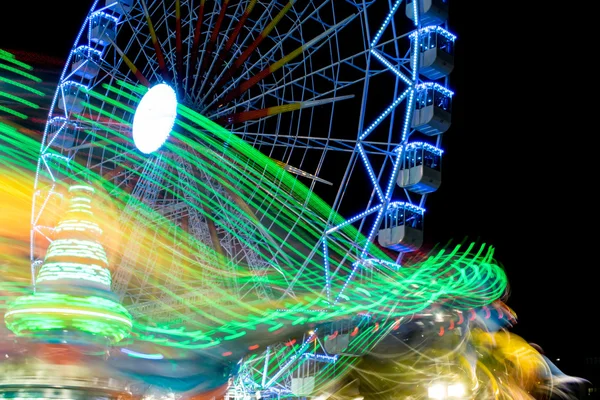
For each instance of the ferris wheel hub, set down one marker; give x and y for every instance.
(154, 118)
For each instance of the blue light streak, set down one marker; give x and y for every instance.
(327, 275)
(384, 114)
(369, 169)
(392, 68)
(135, 354)
(385, 23)
(353, 219)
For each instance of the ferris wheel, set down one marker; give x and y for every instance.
(250, 150)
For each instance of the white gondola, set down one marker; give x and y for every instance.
(61, 133)
(431, 12)
(103, 28)
(421, 168)
(402, 227)
(86, 62)
(436, 51)
(73, 95)
(433, 107)
(119, 6)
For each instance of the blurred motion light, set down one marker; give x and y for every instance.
(437, 391)
(445, 391)
(154, 118)
(456, 390)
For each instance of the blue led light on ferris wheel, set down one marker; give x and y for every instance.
(369, 169)
(435, 86)
(420, 145)
(391, 265)
(392, 68)
(104, 15)
(384, 114)
(385, 23)
(355, 266)
(58, 156)
(433, 28)
(407, 117)
(77, 85)
(84, 49)
(321, 357)
(406, 206)
(353, 219)
(326, 266)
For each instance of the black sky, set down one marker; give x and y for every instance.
(515, 173)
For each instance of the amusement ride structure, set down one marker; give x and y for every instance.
(225, 193)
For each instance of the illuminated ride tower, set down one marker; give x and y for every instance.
(70, 319)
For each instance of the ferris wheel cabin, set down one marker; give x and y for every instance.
(86, 62)
(436, 51)
(433, 106)
(63, 133)
(421, 168)
(431, 12)
(103, 28)
(119, 6)
(402, 227)
(73, 96)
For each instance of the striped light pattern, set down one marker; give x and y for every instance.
(75, 262)
(38, 314)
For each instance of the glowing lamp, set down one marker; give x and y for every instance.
(154, 118)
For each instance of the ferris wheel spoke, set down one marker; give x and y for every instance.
(244, 116)
(249, 83)
(302, 142)
(229, 73)
(225, 51)
(142, 56)
(282, 84)
(179, 43)
(267, 57)
(196, 42)
(170, 43)
(155, 42)
(213, 58)
(138, 74)
(259, 23)
(208, 52)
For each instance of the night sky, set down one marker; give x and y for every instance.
(515, 173)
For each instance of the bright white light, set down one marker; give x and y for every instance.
(437, 391)
(456, 390)
(154, 118)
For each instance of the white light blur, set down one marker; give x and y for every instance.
(456, 390)
(437, 391)
(154, 118)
